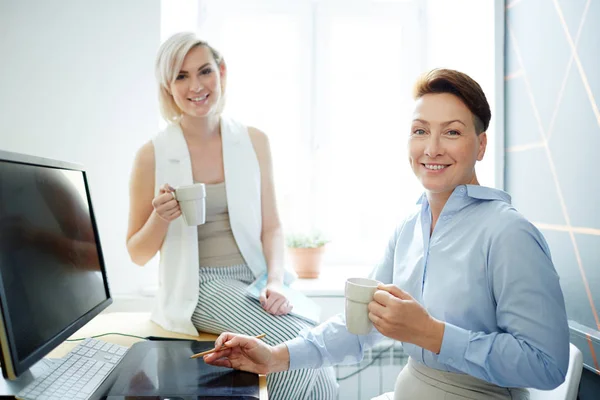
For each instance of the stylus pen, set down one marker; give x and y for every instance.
(262, 335)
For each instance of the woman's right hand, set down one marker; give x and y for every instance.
(165, 205)
(247, 353)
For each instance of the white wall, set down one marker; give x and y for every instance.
(77, 84)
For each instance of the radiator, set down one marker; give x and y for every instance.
(376, 373)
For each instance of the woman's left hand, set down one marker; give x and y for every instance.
(397, 315)
(274, 301)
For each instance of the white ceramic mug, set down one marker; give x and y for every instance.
(359, 293)
(192, 200)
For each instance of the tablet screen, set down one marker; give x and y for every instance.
(164, 370)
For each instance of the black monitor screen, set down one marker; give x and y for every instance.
(51, 272)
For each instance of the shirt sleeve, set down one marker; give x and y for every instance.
(532, 347)
(330, 343)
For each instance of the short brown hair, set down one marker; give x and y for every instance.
(462, 86)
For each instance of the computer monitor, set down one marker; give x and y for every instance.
(52, 275)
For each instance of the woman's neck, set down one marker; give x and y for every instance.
(200, 129)
(437, 201)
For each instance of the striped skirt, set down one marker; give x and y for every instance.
(223, 307)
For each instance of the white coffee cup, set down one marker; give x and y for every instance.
(192, 201)
(359, 293)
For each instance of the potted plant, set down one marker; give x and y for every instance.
(306, 252)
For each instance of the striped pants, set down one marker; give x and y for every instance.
(223, 307)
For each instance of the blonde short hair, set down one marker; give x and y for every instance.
(168, 64)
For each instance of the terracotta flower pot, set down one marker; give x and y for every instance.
(307, 261)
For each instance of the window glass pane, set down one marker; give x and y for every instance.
(267, 50)
(329, 82)
(365, 183)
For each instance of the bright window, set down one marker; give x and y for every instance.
(329, 81)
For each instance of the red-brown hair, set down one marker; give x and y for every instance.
(462, 86)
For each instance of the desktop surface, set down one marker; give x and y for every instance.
(164, 369)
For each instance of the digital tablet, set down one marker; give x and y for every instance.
(162, 370)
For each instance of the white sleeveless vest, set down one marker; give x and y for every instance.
(179, 262)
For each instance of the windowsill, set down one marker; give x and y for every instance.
(330, 283)
(331, 280)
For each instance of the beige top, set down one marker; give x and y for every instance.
(216, 245)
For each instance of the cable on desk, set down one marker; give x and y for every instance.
(106, 334)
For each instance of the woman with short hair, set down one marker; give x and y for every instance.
(468, 284)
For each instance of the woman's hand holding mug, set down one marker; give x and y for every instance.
(165, 205)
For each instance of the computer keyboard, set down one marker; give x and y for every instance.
(78, 374)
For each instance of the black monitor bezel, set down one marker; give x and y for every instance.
(12, 368)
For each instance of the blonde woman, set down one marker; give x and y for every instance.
(204, 270)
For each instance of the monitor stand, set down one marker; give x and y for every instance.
(11, 388)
